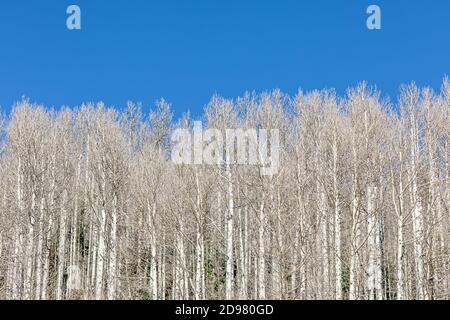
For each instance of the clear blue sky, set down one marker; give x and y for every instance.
(185, 50)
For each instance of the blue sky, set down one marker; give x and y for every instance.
(185, 50)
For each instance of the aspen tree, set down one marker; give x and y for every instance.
(410, 101)
(92, 207)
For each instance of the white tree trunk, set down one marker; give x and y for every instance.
(112, 274)
(16, 273)
(229, 276)
(16, 268)
(418, 228)
(39, 256)
(29, 256)
(162, 270)
(374, 246)
(61, 248)
(323, 243)
(46, 266)
(262, 251)
(153, 283)
(180, 266)
(277, 277)
(337, 223)
(446, 220)
(72, 271)
(199, 250)
(243, 274)
(101, 254)
(397, 199)
(355, 236)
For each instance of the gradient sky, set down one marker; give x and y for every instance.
(185, 50)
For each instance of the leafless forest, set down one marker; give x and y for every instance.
(92, 207)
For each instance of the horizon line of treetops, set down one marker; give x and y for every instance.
(91, 207)
(177, 115)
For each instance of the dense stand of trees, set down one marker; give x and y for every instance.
(92, 207)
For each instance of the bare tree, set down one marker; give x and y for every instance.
(92, 207)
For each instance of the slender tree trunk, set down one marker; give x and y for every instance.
(418, 228)
(153, 283)
(299, 285)
(29, 256)
(446, 220)
(61, 248)
(101, 254)
(16, 274)
(72, 271)
(337, 223)
(397, 199)
(243, 275)
(322, 222)
(89, 258)
(323, 243)
(355, 236)
(229, 274)
(88, 213)
(277, 272)
(39, 257)
(16, 264)
(435, 211)
(180, 266)
(199, 243)
(262, 250)
(112, 274)
(162, 269)
(46, 266)
(374, 246)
